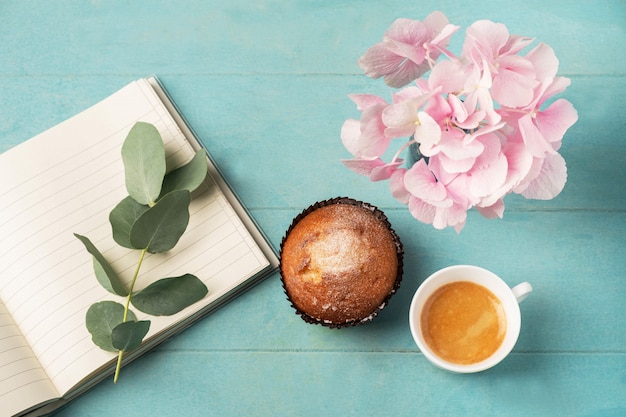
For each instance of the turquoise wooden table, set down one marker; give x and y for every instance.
(265, 86)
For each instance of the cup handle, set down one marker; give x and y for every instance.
(521, 291)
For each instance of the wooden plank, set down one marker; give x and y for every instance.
(268, 383)
(275, 37)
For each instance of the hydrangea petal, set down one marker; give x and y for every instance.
(396, 184)
(551, 181)
(516, 43)
(455, 166)
(384, 172)
(405, 72)
(544, 61)
(487, 180)
(534, 140)
(405, 38)
(491, 149)
(373, 140)
(428, 133)
(457, 190)
(496, 210)
(453, 216)
(485, 39)
(556, 86)
(407, 93)
(389, 59)
(459, 111)
(400, 118)
(514, 84)
(363, 166)
(437, 22)
(556, 119)
(379, 61)
(442, 39)
(448, 75)
(438, 108)
(374, 168)
(350, 134)
(519, 163)
(439, 32)
(519, 160)
(408, 32)
(421, 210)
(421, 183)
(364, 101)
(458, 149)
(533, 172)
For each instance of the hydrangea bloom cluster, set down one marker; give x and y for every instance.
(483, 122)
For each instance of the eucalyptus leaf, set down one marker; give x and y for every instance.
(160, 227)
(129, 335)
(105, 274)
(143, 154)
(122, 218)
(168, 296)
(188, 177)
(101, 319)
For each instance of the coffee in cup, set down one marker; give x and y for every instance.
(465, 318)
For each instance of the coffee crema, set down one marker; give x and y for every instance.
(463, 322)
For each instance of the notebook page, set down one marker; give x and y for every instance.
(23, 382)
(67, 180)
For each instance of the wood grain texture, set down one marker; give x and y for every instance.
(358, 384)
(265, 85)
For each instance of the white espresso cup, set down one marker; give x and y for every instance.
(508, 307)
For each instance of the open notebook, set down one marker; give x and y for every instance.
(66, 180)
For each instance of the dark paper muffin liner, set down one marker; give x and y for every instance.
(399, 252)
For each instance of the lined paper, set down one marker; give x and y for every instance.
(66, 181)
(23, 382)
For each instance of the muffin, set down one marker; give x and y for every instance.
(340, 262)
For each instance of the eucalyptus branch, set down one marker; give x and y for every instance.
(151, 219)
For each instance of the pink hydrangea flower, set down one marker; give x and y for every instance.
(484, 124)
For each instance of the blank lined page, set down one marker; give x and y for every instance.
(66, 181)
(23, 382)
